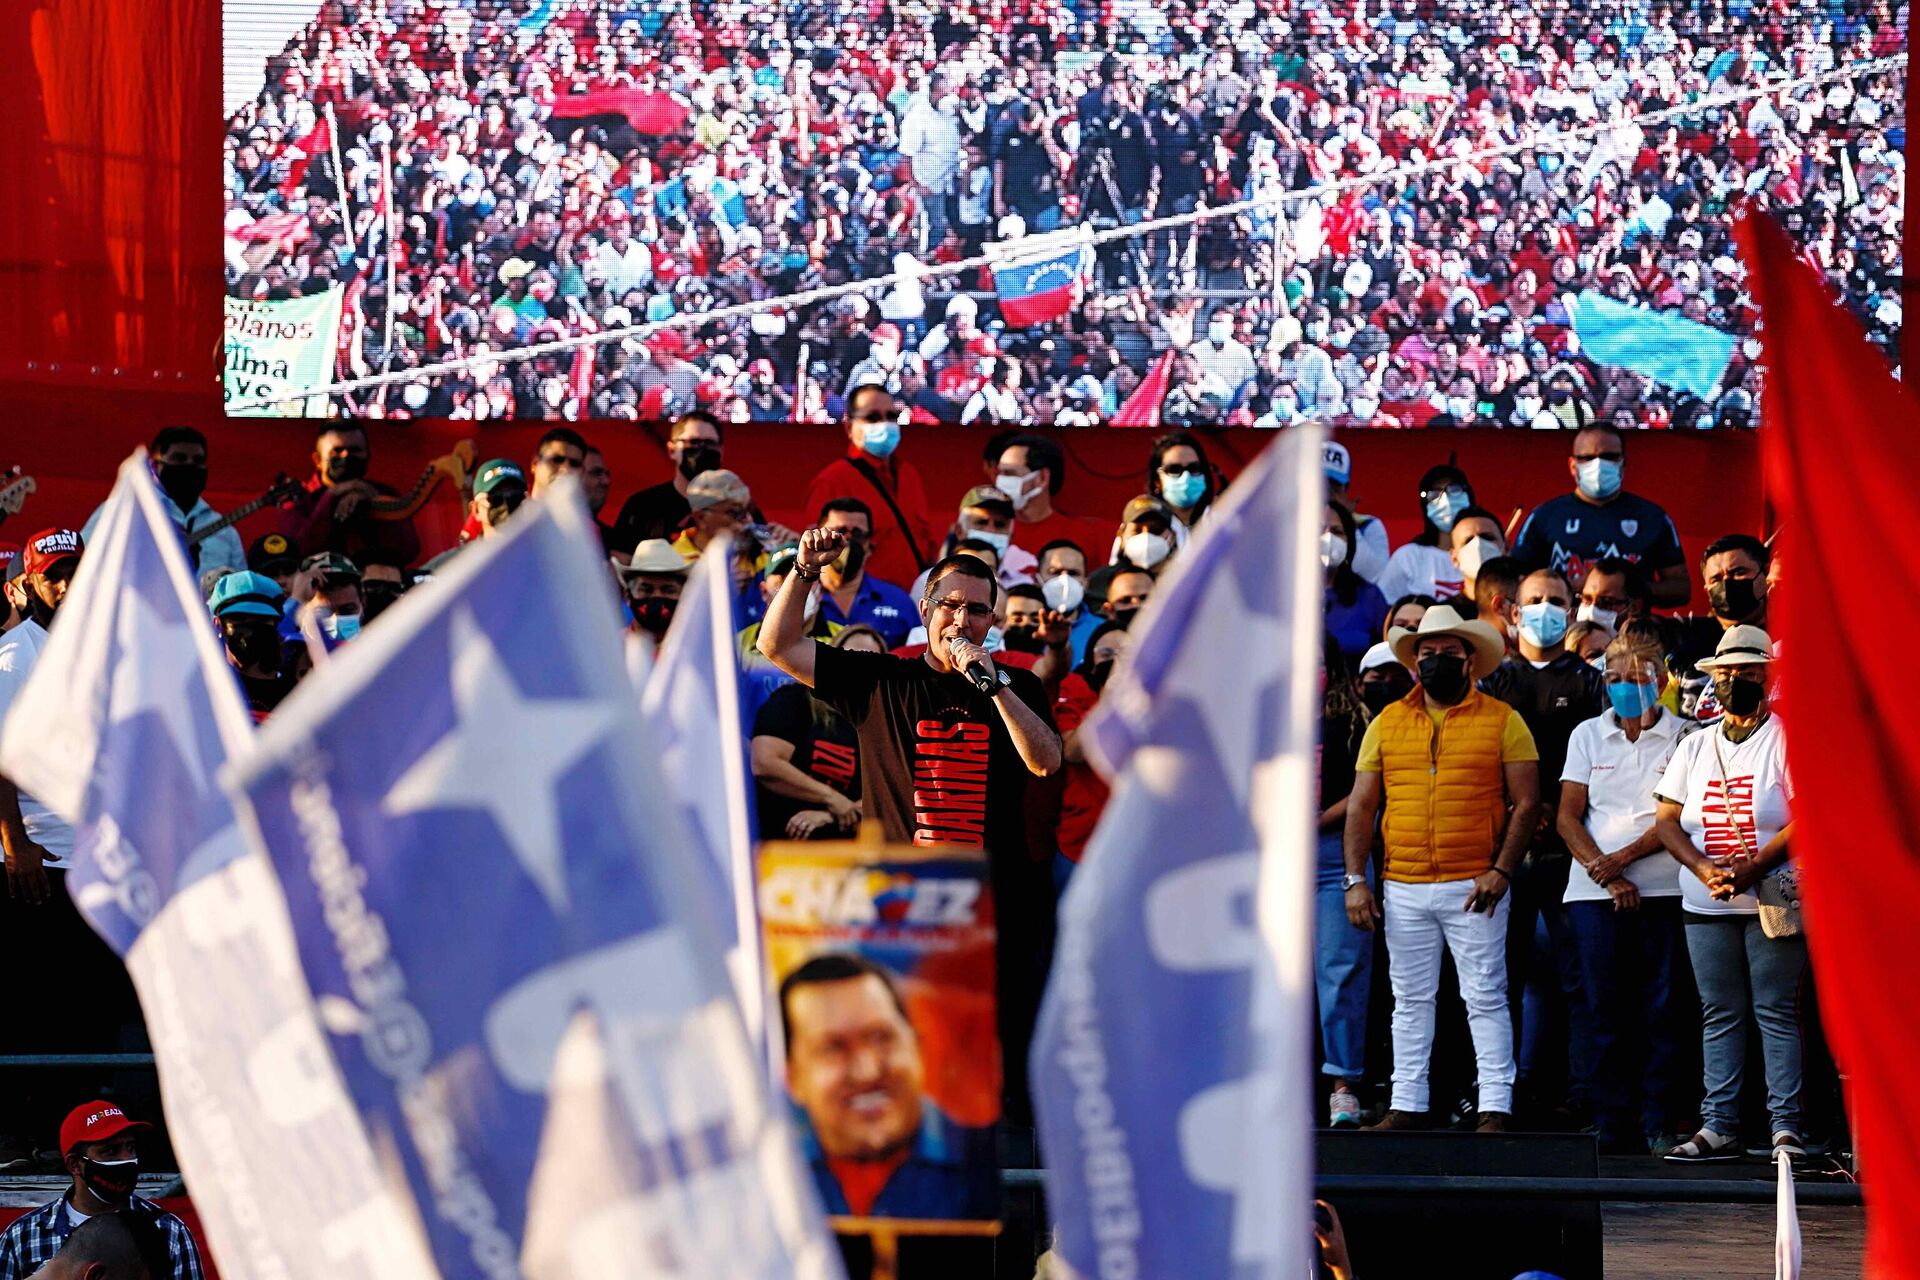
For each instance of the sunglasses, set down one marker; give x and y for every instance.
(1183, 469)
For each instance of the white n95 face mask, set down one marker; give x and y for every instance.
(1064, 592)
(1477, 553)
(1145, 550)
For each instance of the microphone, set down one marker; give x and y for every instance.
(968, 666)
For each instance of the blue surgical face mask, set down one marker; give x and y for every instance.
(1599, 478)
(1445, 507)
(1543, 625)
(880, 438)
(1183, 490)
(1631, 701)
(339, 626)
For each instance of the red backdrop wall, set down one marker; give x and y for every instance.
(72, 441)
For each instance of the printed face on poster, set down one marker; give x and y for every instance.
(883, 961)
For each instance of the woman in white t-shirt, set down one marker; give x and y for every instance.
(1425, 566)
(1725, 814)
(1623, 900)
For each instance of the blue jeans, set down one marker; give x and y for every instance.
(1743, 973)
(1552, 1029)
(1342, 968)
(1626, 972)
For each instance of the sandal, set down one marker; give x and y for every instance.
(1704, 1146)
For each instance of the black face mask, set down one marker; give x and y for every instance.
(1381, 694)
(654, 615)
(1733, 598)
(853, 558)
(698, 459)
(1124, 617)
(255, 645)
(376, 597)
(1740, 697)
(501, 504)
(1444, 677)
(1023, 640)
(112, 1183)
(184, 482)
(1096, 673)
(37, 609)
(346, 466)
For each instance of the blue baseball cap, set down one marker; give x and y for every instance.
(246, 592)
(1337, 462)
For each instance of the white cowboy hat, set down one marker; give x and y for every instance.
(1489, 650)
(654, 555)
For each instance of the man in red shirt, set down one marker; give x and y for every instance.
(334, 511)
(1031, 470)
(903, 537)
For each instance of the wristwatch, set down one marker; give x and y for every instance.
(1001, 680)
(1349, 880)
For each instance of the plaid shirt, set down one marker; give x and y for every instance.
(35, 1237)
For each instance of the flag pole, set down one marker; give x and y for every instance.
(393, 266)
(339, 172)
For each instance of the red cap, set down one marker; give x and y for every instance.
(95, 1122)
(48, 548)
(888, 332)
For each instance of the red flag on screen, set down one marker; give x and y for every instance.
(1142, 408)
(301, 153)
(580, 382)
(1838, 439)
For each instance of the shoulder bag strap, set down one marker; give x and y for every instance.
(865, 468)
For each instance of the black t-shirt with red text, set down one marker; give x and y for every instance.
(825, 748)
(938, 767)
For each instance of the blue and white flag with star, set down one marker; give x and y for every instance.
(129, 712)
(1173, 1064)
(512, 940)
(692, 706)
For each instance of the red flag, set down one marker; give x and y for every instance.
(1142, 408)
(318, 142)
(580, 383)
(1838, 439)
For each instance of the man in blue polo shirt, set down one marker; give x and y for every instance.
(1599, 519)
(848, 595)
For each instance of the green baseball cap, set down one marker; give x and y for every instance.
(492, 475)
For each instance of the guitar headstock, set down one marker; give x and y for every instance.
(15, 489)
(283, 490)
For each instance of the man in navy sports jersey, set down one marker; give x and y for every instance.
(1600, 519)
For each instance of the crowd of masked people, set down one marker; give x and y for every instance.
(490, 175)
(1555, 886)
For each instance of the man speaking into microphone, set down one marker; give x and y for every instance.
(947, 742)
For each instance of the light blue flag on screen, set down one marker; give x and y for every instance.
(1662, 345)
(692, 706)
(1173, 1064)
(510, 935)
(130, 712)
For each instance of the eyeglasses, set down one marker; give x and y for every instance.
(1452, 491)
(1183, 469)
(974, 612)
(851, 535)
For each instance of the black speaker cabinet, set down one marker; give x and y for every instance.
(1407, 1232)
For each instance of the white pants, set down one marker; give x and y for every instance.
(1420, 919)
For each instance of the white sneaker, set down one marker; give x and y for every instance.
(1344, 1110)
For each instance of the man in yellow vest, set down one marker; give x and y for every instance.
(1457, 774)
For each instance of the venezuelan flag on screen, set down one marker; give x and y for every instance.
(1043, 289)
